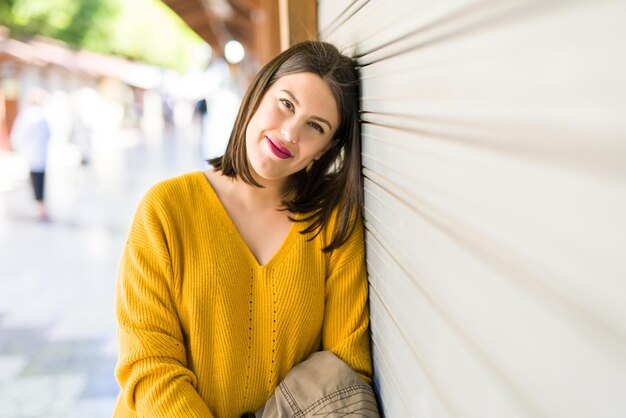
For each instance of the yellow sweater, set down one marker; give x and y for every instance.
(204, 330)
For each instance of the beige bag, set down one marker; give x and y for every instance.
(321, 386)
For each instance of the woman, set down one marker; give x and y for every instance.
(232, 277)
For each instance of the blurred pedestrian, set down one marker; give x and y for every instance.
(249, 278)
(84, 101)
(30, 136)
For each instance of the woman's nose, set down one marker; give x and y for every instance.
(290, 133)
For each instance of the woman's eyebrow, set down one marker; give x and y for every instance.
(318, 118)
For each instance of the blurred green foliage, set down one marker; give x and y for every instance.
(143, 30)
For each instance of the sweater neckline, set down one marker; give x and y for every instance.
(278, 256)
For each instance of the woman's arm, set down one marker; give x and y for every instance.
(346, 318)
(152, 366)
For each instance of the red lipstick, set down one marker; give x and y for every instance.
(278, 150)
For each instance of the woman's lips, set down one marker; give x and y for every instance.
(278, 150)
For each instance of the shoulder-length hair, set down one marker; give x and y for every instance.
(331, 184)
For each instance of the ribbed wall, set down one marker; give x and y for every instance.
(494, 153)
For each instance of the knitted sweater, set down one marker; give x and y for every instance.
(204, 330)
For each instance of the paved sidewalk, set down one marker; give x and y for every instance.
(57, 327)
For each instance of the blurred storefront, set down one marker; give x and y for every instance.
(85, 88)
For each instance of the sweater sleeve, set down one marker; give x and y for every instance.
(152, 366)
(346, 317)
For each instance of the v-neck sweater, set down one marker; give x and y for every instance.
(204, 330)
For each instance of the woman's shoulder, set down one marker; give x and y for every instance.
(181, 186)
(180, 183)
(334, 223)
(176, 193)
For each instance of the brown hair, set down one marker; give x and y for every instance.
(332, 182)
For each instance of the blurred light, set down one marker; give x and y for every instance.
(234, 52)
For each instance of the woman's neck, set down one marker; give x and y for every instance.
(268, 196)
(253, 198)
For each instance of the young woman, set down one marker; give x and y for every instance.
(232, 277)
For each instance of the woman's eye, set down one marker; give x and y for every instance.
(287, 104)
(317, 127)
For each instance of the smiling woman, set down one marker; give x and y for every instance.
(234, 279)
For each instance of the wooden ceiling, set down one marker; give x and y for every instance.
(218, 21)
(264, 27)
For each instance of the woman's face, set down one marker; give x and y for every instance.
(293, 125)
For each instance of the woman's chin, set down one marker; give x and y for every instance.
(263, 173)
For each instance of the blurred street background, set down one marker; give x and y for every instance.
(57, 326)
(132, 96)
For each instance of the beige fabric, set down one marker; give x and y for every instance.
(321, 386)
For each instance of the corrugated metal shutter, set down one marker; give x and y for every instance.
(494, 153)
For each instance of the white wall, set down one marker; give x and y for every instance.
(494, 153)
